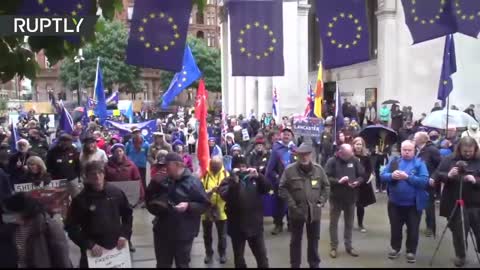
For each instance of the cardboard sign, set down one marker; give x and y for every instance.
(131, 190)
(308, 126)
(111, 259)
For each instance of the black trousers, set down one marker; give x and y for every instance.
(143, 175)
(313, 237)
(404, 215)
(257, 246)
(430, 211)
(279, 208)
(360, 215)
(166, 251)
(221, 226)
(472, 222)
(379, 161)
(191, 148)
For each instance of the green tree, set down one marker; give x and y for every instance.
(18, 60)
(110, 44)
(208, 61)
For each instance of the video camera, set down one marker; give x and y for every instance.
(462, 169)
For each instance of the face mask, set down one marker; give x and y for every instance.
(9, 218)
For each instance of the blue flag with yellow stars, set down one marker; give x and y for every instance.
(467, 14)
(157, 34)
(189, 74)
(449, 67)
(344, 32)
(256, 29)
(429, 19)
(52, 8)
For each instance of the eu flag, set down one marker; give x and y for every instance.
(71, 8)
(101, 107)
(189, 74)
(467, 14)
(344, 32)
(449, 67)
(157, 34)
(146, 128)
(429, 19)
(66, 121)
(256, 29)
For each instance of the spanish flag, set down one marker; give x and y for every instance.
(319, 93)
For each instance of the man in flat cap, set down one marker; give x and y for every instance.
(305, 188)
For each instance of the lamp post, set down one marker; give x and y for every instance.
(78, 59)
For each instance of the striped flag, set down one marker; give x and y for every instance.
(275, 102)
(310, 103)
(319, 92)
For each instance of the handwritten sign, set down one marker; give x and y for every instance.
(27, 187)
(308, 126)
(131, 190)
(111, 259)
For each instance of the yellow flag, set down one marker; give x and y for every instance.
(319, 93)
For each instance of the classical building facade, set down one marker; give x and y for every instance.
(396, 70)
(203, 25)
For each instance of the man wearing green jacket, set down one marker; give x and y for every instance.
(384, 115)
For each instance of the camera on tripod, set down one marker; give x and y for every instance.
(462, 169)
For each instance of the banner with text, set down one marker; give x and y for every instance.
(307, 126)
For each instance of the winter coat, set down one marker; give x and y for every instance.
(63, 163)
(47, 245)
(304, 193)
(213, 180)
(384, 114)
(99, 218)
(121, 171)
(418, 179)
(187, 160)
(335, 169)
(280, 158)
(40, 147)
(154, 148)
(6, 188)
(244, 204)
(160, 198)
(451, 188)
(366, 196)
(258, 160)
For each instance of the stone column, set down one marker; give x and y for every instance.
(250, 100)
(264, 96)
(239, 95)
(302, 57)
(387, 50)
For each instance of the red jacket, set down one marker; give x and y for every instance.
(124, 171)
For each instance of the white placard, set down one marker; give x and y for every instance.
(27, 187)
(130, 188)
(111, 259)
(245, 135)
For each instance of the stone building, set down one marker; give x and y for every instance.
(396, 69)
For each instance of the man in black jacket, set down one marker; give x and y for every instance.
(258, 158)
(462, 166)
(63, 163)
(100, 217)
(243, 193)
(345, 173)
(177, 202)
(430, 154)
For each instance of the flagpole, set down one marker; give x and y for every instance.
(448, 110)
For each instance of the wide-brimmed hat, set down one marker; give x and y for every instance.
(304, 149)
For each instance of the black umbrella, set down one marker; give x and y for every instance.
(371, 135)
(390, 101)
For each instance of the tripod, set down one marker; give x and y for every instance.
(458, 204)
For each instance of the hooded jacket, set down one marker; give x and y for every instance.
(473, 132)
(213, 180)
(280, 158)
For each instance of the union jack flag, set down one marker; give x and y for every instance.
(274, 102)
(310, 103)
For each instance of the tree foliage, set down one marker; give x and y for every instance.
(208, 61)
(18, 60)
(110, 44)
